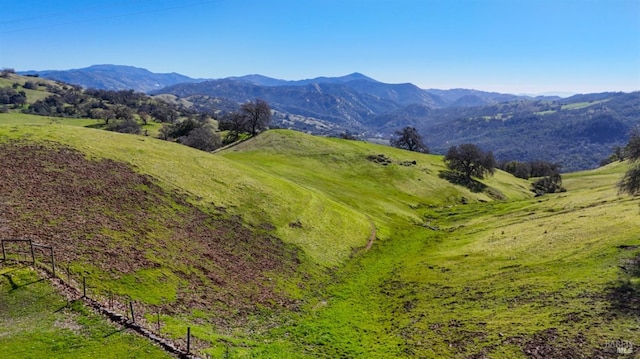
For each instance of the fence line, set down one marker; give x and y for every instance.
(94, 301)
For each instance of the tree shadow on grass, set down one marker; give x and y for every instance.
(16, 286)
(117, 331)
(624, 295)
(462, 180)
(99, 126)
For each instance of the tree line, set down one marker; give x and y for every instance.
(126, 111)
(468, 161)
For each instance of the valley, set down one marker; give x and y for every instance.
(320, 179)
(451, 273)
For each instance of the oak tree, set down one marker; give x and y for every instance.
(469, 160)
(630, 182)
(409, 139)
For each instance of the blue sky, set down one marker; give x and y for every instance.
(516, 46)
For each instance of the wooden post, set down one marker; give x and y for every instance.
(158, 320)
(84, 287)
(188, 340)
(133, 317)
(4, 254)
(33, 254)
(69, 273)
(53, 264)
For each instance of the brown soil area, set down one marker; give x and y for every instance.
(103, 213)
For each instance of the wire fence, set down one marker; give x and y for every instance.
(121, 309)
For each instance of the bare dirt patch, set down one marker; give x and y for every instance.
(103, 213)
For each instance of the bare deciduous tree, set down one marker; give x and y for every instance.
(257, 116)
(409, 139)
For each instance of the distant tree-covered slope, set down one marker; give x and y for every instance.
(114, 77)
(576, 132)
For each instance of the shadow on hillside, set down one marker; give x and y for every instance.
(99, 126)
(462, 180)
(15, 286)
(624, 296)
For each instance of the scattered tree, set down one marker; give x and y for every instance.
(529, 169)
(469, 160)
(409, 139)
(144, 117)
(252, 118)
(30, 85)
(123, 112)
(103, 114)
(5, 72)
(257, 116)
(125, 125)
(202, 138)
(548, 184)
(234, 124)
(518, 169)
(630, 182)
(192, 132)
(347, 136)
(9, 96)
(183, 128)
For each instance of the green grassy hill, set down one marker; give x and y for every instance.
(260, 248)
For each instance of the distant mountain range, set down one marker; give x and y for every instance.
(576, 132)
(114, 77)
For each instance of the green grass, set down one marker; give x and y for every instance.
(32, 95)
(498, 271)
(340, 170)
(443, 278)
(330, 230)
(18, 119)
(35, 322)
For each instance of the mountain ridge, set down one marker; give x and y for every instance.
(113, 82)
(113, 77)
(565, 129)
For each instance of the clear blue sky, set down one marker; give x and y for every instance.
(517, 46)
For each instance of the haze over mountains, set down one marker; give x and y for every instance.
(577, 132)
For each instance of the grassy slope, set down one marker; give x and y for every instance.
(32, 95)
(489, 281)
(502, 278)
(497, 279)
(258, 197)
(340, 170)
(35, 322)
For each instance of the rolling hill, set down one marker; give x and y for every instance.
(263, 248)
